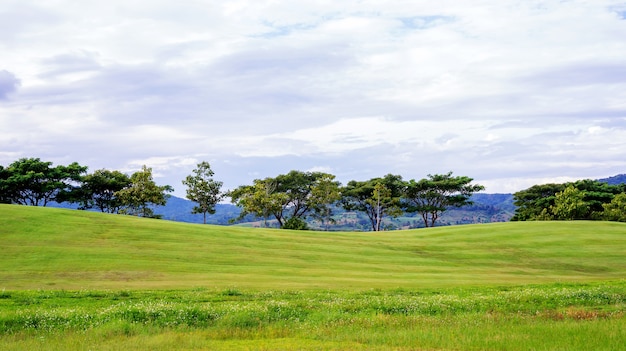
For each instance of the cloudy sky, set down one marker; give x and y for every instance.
(509, 92)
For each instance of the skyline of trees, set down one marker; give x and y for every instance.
(295, 198)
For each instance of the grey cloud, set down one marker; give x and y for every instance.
(20, 17)
(583, 74)
(279, 60)
(70, 63)
(8, 84)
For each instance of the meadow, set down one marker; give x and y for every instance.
(72, 280)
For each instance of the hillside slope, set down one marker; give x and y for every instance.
(65, 249)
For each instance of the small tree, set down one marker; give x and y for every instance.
(142, 194)
(203, 189)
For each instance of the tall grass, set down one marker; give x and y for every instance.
(554, 316)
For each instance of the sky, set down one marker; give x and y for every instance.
(511, 93)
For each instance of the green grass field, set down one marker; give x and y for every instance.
(73, 280)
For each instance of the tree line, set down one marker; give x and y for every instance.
(31, 181)
(288, 199)
(293, 197)
(580, 200)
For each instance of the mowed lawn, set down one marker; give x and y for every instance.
(48, 248)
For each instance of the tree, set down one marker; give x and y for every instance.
(143, 192)
(433, 195)
(570, 204)
(100, 190)
(5, 198)
(324, 193)
(377, 198)
(259, 199)
(616, 209)
(534, 202)
(30, 181)
(203, 190)
(291, 195)
(539, 201)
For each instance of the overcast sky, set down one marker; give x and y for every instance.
(509, 92)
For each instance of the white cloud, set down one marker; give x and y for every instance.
(500, 90)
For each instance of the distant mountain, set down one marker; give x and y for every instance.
(614, 180)
(179, 209)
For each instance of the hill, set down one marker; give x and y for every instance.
(50, 248)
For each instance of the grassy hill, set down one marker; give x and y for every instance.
(48, 248)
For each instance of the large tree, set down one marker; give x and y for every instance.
(534, 202)
(290, 196)
(99, 190)
(377, 198)
(259, 199)
(325, 193)
(539, 202)
(30, 181)
(142, 194)
(203, 189)
(5, 197)
(431, 196)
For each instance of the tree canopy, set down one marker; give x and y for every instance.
(288, 196)
(143, 193)
(377, 198)
(30, 181)
(100, 190)
(583, 199)
(433, 195)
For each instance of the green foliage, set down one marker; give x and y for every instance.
(295, 223)
(5, 197)
(431, 196)
(30, 181)
(616, 209)
(532, 201)
(260, 199)
(99, 190)
(584, 199)
(377, 198)
(203, 189)
(324, 193)
(293, 195)
(141, 194)
(570, 204)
